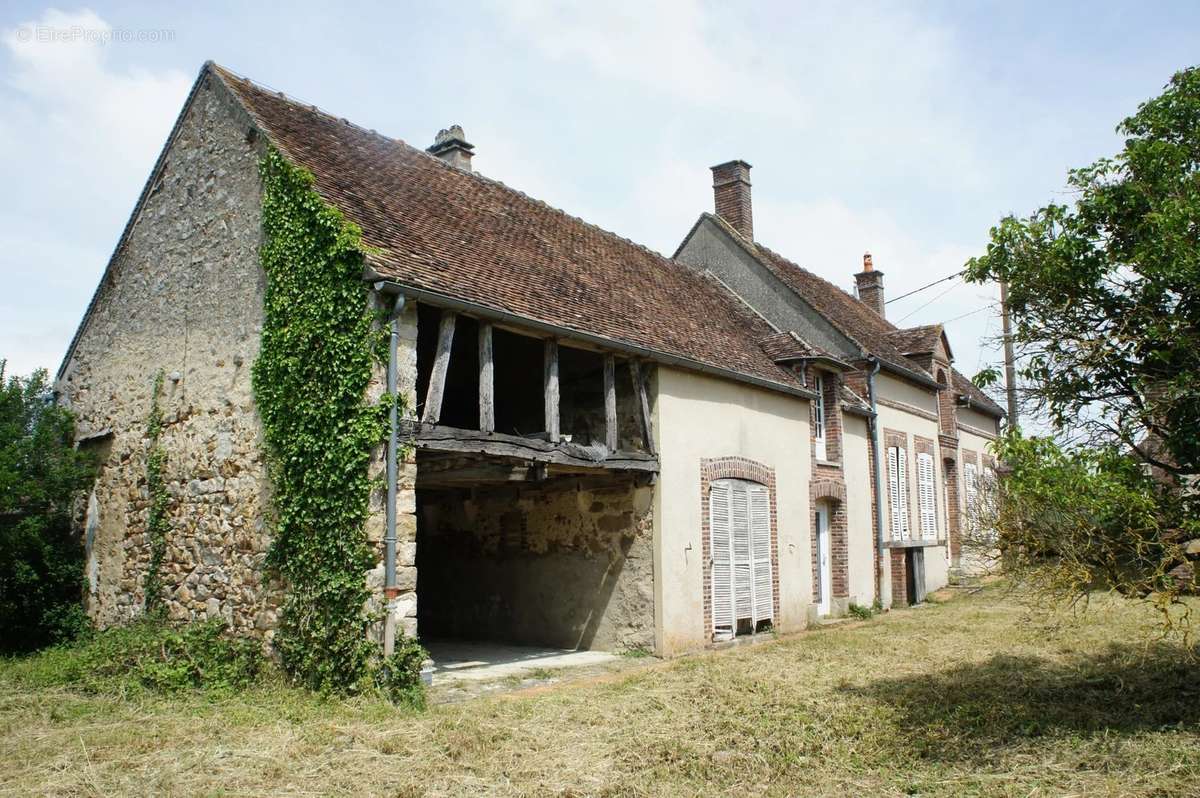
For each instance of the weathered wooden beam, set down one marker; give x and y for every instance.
(441, 364)
(550, 384)
(610, 403)
(450, 439)
(487, 386)
(639, 392)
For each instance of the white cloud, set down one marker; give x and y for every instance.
(668, 46)
(79, 136)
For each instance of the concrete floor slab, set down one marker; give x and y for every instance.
(477, 661)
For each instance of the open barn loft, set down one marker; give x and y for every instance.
(534, 466)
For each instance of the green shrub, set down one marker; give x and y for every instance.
(41, 556)
(860, 612)
(398, 677)
(146, 655)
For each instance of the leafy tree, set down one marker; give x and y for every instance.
(1103, 296)
(41, 558)
(1103, 293)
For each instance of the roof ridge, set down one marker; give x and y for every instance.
(476, 175)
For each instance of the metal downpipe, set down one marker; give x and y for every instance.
(875, 466)
(389, 539)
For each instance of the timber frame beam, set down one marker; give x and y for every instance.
(535, 450)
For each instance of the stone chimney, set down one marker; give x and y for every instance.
(452, 147)
(870, 286)
(731, 195)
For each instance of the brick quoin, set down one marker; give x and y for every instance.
(751, 471)
(899, 578)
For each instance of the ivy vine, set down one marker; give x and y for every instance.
(319, 341)
(157, 524)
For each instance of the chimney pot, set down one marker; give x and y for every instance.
(451, 146)
(870, 286)
(731, 196)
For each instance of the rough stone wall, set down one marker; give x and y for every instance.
(548, 565)
(184, 295)
(404, 605)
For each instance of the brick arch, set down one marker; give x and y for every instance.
(735, 468)
(832, 489)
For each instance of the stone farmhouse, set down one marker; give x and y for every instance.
(603, 448)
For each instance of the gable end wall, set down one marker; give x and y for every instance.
(184, 295)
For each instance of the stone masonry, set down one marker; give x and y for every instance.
(183, 295)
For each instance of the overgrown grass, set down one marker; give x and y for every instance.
(147, 655)
(970, 698)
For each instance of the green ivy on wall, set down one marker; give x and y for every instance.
(157, 524)
(319, 341)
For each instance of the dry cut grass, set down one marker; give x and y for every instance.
(973, 697)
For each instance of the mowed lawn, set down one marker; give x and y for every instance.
(972, 697)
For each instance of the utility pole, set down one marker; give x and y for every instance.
(1010, 369)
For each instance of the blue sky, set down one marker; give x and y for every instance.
(902, 129)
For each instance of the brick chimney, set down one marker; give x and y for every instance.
(452, 147)
(870, 286)
(731, 195)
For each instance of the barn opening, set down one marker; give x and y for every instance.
(527, 534)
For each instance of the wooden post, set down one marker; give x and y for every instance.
(441, 363)
(550, 383)
(611, 439)
(639, 391)
(487, 388)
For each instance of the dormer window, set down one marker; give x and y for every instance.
(819, 417)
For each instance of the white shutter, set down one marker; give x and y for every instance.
(819, 418)
(925, 496)
(971, 472)
(760, 537)
(743, 584)
(893, 455)
(902, 467)
(722, 566)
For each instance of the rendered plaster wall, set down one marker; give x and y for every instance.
(699, 417)
(937, 557)
(183, 296)
(552, 564)
(860, 523)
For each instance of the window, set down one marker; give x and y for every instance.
(897, 459)
(819, 417)
(971, 476)
(926, 505)
(740, 531)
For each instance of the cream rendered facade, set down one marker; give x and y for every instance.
(697, 417)
(912, 411)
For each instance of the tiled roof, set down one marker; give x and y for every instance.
(875, 334)
(457, 234)
(916, 340)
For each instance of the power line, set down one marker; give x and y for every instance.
(970, 313)
(922, 288)
(930, 302)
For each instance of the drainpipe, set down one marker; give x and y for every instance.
(875, 466)
(390, 590)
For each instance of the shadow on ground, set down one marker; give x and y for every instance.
(1007, 700)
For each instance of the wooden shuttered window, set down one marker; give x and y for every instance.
(971, 477)
(926, 505)
(819, 417)
(760, 538)
(721, 541)
(897, 462)
(740, 543)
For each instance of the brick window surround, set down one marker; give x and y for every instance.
(833, 493)
(899, 440)
(927, 446)
(832, 382)
(751, 471)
